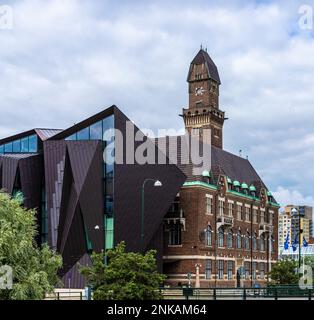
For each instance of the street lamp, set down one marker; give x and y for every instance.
(295, 211)
(157, 183)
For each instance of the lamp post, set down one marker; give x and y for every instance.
(296, 211)
(157, 183)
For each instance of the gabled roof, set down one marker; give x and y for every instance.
(203, 57)
(43, 134)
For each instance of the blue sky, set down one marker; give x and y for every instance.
(65, 60)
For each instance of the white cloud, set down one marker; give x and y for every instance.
(65, 60)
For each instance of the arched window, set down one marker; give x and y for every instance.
(208, 236)
(247, 241)
(262, 243)
(230, 239)
(220, 237)
(255, 242)
(239, 240)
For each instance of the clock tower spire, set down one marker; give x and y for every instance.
(203, 110)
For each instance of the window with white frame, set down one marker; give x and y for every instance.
(208, 236)
(208, 269)
(254, 215)
(230, 209)
(220, 269)
(230, 239)
(239, 239)
(262, 216)
(221, 207)
(209, 204)
(220, 237)
(239, 211)
(262, 270)
(230, 270)
(247, 213)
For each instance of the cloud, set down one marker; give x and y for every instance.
(66, 60)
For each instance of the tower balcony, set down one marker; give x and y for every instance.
(224, 220)
(175, 217)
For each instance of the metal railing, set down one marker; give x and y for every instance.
(266, 293)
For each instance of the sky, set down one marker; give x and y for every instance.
(63, 61)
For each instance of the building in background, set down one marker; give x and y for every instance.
(284, 228)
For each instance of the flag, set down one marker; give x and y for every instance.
(295, 243)
(286, 245)
(305, 243)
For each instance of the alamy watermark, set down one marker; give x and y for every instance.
(131, 146)
(306, 279)
(6, 277)
(306, 18)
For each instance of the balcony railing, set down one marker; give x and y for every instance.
(224, 220)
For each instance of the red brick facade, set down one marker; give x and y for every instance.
(222, 228)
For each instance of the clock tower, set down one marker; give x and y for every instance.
(203, 110)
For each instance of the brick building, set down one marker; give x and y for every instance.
(222, 227)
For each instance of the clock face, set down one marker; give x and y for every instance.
(199, 91)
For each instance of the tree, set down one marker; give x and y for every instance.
(34, 269)
(284, 272)
(128, 275)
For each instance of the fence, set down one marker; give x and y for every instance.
(267, 293)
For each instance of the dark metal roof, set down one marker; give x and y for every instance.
(222, 162)
(43, 134)
(203, 57)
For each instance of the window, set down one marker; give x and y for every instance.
(96, 131)
(254, 270)
(247, 213)
(262, 243)
(24, 145)
(255, 241)
(246, 270)
(32, 143)
(262, 216)
(220, 269)
(1, 149)
(83, 134)
(221, 207)
(109, 231)
(247, 241)
(175, 234)
(230, 239)
(208, 236)
(8, 147)
(220, 237)
(239, 240)
(72, 137)
(208, 269)
(254, 216)
(17, 146)
(262, 270)
(230, 209)
(239, 212)
(209, 204)
(230, 270)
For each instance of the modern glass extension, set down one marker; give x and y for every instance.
(96, 131)
(24, 145)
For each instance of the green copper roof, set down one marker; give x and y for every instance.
(236, 183)
(205, 173)
(252, 188)
(229, 180)
(269, 194)
(244, 185)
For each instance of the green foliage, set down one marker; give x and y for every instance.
(284, 273)
(128, 275)
(34, 269)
